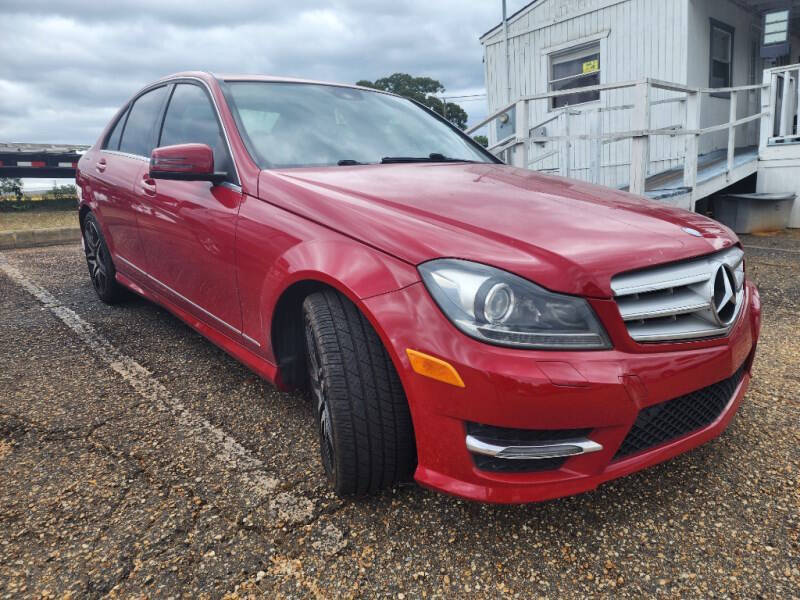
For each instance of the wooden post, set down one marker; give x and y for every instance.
(522, 133)
(566, 145)
(639, 143)
(731, 133)
(768, 102)
(796, 112)
(786, 105)
(693, 104)
(596, 128)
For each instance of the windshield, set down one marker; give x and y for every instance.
(302, 124)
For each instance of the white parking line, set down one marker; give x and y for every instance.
(289, 507)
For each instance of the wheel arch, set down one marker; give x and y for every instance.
(286, 336)
(83, 210)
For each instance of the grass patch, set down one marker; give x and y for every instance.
(38, 219)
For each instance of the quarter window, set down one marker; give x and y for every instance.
(138, 135)
(112, 141)
(575, 68)
(191, 119)
(721, 68)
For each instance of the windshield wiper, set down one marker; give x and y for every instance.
(432, 157)
(346, 162)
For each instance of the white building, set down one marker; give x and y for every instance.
(681, 52)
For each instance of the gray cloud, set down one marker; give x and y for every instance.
(67, 67)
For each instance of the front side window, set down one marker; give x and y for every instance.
(303, 124)
(191, 119)
(576, 68)
(138, 136)
(721, 68)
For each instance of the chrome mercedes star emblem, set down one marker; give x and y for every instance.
(691, 231)
(723, 296)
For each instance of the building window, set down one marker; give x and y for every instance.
(576, 68)
(776, 27)
(721, 65)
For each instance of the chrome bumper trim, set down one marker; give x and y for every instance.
(555, 450)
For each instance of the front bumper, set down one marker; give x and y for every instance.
(599, 392)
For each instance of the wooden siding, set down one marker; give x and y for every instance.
(638, 39)
(660, 39)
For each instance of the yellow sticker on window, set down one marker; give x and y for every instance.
(590, 66)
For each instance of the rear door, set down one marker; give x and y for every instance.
(188, 228)
(124, 156)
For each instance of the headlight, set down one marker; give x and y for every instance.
(500, 308)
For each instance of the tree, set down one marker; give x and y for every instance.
(423, 90)
(11, 185)
(482, 140)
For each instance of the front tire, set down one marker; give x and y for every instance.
(98, 260)
(366, 435)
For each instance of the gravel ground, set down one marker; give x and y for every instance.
(37, 219)
(191, 476)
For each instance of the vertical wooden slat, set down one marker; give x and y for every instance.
(692, 141)
(786, 105)
(523, 134)
(768, 102)
(639, 143)
(596, 146)
(564, 162)
(732, 132)
(796, 111)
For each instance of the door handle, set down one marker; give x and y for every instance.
(101, 165)
(148, 185)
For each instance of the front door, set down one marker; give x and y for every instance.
(188, 228)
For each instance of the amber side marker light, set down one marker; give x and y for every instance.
(433, 367)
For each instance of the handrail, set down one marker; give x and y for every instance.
(780, 69)
(656, 83)
(517, 145)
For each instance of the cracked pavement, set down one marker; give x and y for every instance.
(137, 459)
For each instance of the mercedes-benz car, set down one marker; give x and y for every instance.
(489, 331)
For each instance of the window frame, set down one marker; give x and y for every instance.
(576, 52)
(715, 24)
(233, 178)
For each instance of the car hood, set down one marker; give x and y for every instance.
(565, 235)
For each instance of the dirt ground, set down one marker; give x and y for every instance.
(137, 459)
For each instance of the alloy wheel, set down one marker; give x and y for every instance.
(95, 256)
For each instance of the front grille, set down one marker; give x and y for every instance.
(682, 301)
(680, 416)
(506, 436)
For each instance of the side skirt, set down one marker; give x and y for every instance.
(252, 361)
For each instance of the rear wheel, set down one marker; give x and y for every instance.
(98, 260)
(365, 431)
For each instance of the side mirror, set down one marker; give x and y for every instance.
(185, 162)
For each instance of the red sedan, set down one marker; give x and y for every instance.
(495, 333)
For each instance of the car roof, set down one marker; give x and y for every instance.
(207, 76)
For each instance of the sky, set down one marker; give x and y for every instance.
(67, 67)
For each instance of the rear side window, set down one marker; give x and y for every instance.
(112, 141)
(191, 119)
(138, 136)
